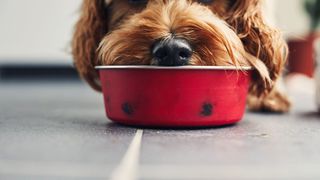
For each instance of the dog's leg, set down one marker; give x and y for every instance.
(275, 101)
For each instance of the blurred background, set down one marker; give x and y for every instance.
(36, 31)
(39, 31)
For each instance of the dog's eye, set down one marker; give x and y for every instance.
(138, 2)
(205, 1)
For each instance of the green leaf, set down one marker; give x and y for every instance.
(312, 8)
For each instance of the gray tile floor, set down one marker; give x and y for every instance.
(58, 130)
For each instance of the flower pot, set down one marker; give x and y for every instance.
(301, 55)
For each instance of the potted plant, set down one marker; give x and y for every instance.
(312, 7)
(301, 51)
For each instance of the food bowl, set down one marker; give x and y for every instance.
(187, 96)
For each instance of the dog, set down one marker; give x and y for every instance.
(183, 32)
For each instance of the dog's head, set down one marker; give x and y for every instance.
(177, 32)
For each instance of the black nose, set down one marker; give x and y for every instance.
(172, 52)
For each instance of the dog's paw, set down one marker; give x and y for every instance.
(275, 102)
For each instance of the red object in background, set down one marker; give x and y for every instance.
(174, 96)
(302, 55)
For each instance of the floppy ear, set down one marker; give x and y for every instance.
(259, 39)
(89, 30)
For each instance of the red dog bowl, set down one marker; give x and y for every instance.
(188, 96)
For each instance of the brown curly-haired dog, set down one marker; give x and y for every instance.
(182, 32)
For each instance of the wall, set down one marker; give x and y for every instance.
(291, 17)
(36, 30)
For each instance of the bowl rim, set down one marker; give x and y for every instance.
(174, 67)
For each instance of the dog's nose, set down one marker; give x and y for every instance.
(172, 52)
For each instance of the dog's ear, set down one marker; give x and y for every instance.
(259, 39)
(89, 30)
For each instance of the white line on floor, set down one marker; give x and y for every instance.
(128, 168)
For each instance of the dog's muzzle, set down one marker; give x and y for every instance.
(171, 52)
